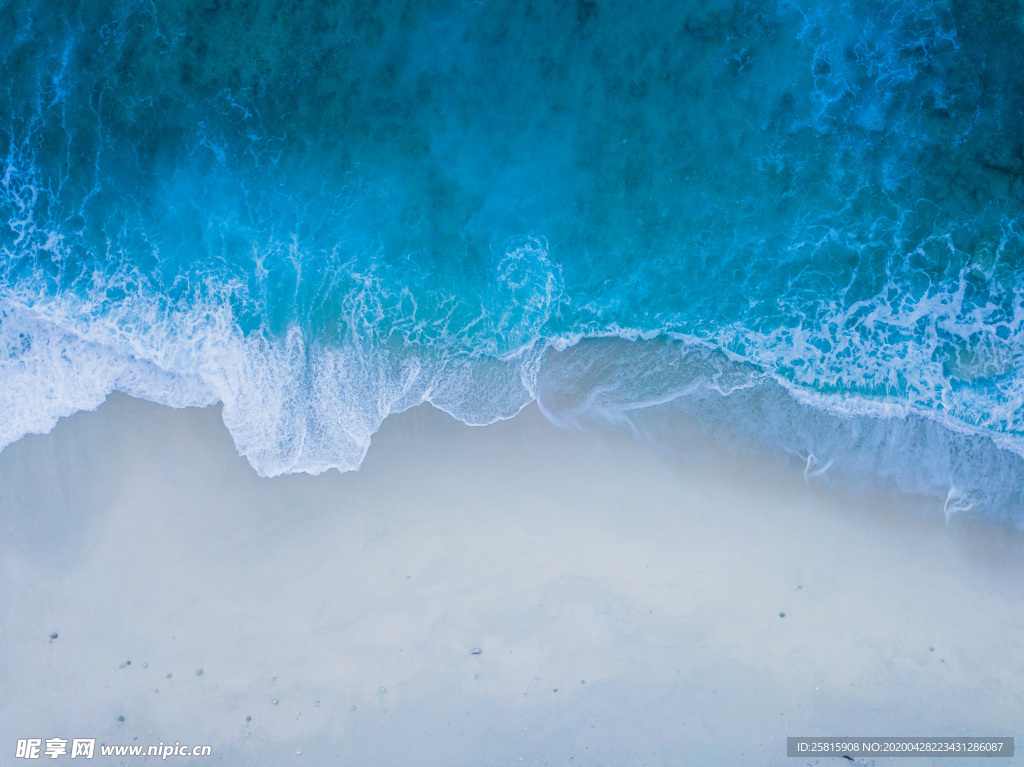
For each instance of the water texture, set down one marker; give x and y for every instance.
(321, 214)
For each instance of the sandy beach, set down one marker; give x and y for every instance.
(511, 594)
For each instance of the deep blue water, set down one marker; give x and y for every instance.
(803, 218)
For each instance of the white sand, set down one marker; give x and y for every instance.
(649, 596)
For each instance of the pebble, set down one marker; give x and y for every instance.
(145, 665)
(53, 635)
(199, 672)
(274, 701)
(782, 615)
(248, 719)
(476, 651)
(120, 719)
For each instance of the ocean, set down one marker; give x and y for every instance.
(799, 222)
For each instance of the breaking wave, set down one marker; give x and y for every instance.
(799, 221)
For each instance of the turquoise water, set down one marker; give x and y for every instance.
(321, 214)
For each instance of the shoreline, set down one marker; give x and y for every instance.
(677, 395)
(650, 595)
